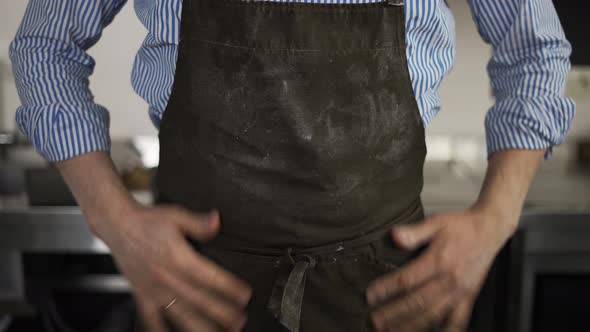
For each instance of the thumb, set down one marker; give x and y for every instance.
(200, 226)
(410, 237)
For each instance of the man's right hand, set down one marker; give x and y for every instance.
(151, 249)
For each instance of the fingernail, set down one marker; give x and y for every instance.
(241, 323)
(404, 236)
(377, 321)
(246, 297)
(370, 297)
(211, 216)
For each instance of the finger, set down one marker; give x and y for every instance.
(151, 317)
(408, 277)
(187, 320)
(423, 303)
(225, 313)
(459, 316)
(413, 236)
(210, 275)
(200, 226)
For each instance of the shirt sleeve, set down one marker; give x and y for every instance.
(528, 69)
(51, 69)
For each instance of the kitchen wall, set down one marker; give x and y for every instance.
(465, 93)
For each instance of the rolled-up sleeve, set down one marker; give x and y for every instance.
(528, 70)
(51, 68)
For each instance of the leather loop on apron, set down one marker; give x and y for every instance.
(287, 293)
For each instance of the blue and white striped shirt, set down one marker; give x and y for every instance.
(528, 68)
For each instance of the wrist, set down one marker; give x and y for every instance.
(98, 189)
(111, 213)
(504, 190)
(500, 221)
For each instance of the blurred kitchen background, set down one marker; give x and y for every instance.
(49, 260)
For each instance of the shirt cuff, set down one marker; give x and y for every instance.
(60, 132)
(528, 123)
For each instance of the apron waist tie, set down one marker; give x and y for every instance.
(286, 297)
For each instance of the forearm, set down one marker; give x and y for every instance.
(97, 187)
(508, 178)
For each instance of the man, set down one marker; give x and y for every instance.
(292, 146)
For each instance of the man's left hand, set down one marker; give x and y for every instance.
(438, 288)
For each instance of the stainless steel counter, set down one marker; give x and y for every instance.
(50, 229)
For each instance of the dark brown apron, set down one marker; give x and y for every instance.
(298, 122)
